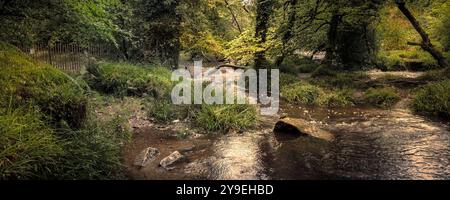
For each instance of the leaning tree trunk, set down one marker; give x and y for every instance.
(233, 16)
(426, 44)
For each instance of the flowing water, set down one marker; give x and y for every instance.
(368, 144)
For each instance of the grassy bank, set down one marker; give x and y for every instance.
(433, 99)
(337, 90)
(48, 129)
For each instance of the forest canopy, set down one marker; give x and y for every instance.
(354, 34)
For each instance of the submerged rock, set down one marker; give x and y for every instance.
(300, 126)
(173, 158)
(146, 156)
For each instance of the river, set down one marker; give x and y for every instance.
(368, 143)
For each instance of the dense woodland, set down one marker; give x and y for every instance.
(354, 34)
(61, 125)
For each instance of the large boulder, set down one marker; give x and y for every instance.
(301, 127)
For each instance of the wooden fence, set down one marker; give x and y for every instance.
(71, 57)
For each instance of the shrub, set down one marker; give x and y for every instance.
(303, 93)
(28, 148)
(323, 71)
(25, 81)
(226, 117)
(165, 111)
(288, 79)
(123, 79)
(296, 65)
(433, 99)
(381, 97)
(336, 99)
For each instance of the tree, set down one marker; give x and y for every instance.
(153, 31)
(426, 44)
(288, 30)
(68, 21)
(264, 9)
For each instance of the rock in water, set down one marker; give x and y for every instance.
(170, 160)
(146, 156)
(300, 126)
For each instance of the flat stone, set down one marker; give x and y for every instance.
(173, 158)
(186, 149)
(146, 156)
(300, 126)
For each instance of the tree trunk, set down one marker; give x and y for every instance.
(288, 34)
(332, 58)
(263, 12)
(426, 44)
(233, 16)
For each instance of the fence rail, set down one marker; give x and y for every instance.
(71, 57)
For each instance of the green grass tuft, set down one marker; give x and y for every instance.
(303, 93)
(381, 97)
(433, 99)
(337, 99)
(28, 147)
(227, 117)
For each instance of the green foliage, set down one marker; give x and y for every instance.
(226, 117)
(337, 99)
(124, 79)
(394, 31)
(308, 94)
(298, 65)
(29, 82)
(435, 75)
(207, 25)
(301, 92)
(381, 97)
(288, 79)
(342, 80)
(347, 80)
(28, 147)
(415, 60)
(243, 48)
(433, 99)
(68, 148)
(164, 111)
(94, 151)
(440, 26)
(323, 70)
(28, 21)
